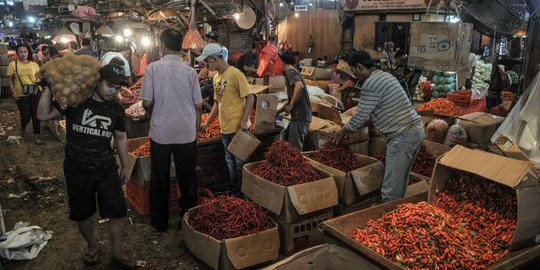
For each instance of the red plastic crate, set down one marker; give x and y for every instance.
(139, 197)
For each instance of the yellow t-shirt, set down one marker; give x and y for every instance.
(27, 73)
(230, 90)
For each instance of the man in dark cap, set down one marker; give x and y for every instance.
(90, 167)
(383, 100)
(213, 37)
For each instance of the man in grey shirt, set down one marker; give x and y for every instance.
(170, 92)
(384, 101)
(298, 104)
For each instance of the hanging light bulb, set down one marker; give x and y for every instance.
(146, 41)
(236, 16)
(128, 32)
(296, 14)
(119, 38)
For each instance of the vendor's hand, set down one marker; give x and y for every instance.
(289, 108)
(124, 175)
(339, 135)
(203, 127)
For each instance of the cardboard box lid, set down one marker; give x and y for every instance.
(308, 71)
(317, 123)
(310, 197)
(483, 118)
(503, 170)
(329, 113)
(253, 249)
(255, 88)
(305, 198)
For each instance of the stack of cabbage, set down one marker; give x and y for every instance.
(481, 75)
(73, 78)
(444, 82)
(419, 93)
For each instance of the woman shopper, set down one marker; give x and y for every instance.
(22, 84)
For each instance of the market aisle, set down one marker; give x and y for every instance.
(45, 205)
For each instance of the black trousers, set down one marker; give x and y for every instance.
(28, 110)
(185, 161)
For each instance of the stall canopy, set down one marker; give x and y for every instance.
(500, 16)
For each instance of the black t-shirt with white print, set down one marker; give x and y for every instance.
(89, 131)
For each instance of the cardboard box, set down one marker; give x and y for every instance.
(291, 203)
(323, 257)
(440, 46)
(234, 253)
(417, 188)
(316, 73)
(265, 112)
(367, 201)
(353, 185)
(436, 150)
(361, 148)
(480, 126)
(323, 84)
(274, 82)
(257, 89)
(243, 144)
(302, 234)
(377, 146)
(139, 168)
(506, 171)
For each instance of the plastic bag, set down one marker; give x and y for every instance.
(436, 131)
(269, 62)
(84, 12)
(23, 243)
(522, 124)
(456, 135)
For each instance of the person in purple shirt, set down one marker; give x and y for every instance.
(171, 95)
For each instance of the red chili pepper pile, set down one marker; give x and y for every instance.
(441, 106)
(338, 156)
(284, 165)
(476, 106)
(226, 217)
(470, 226)
(212, 131)
(143, 150)
(424, 163)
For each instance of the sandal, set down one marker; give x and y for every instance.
(122, 264)
(91, 259)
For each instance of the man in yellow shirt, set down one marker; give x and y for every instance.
(233, 102)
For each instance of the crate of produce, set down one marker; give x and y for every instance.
(210, 233)
(355, 175)
(139, 197)
(139, 166)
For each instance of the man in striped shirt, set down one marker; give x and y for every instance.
(383, 100)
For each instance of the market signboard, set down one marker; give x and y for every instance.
(359, 5)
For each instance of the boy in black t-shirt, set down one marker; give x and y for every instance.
(89, 165)
(297, 105)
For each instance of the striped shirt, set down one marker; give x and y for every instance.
(384, 101)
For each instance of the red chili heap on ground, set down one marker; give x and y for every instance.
(423, 164)
(284, 165)
(228, 217)
(143, 150)
(470, 226)
(338, 156)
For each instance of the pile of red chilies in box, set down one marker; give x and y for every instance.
(212, 131)
(424, 163)
(470, 226)
(338, 156)
(284, 165)
(143, 150)
(226, 217)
